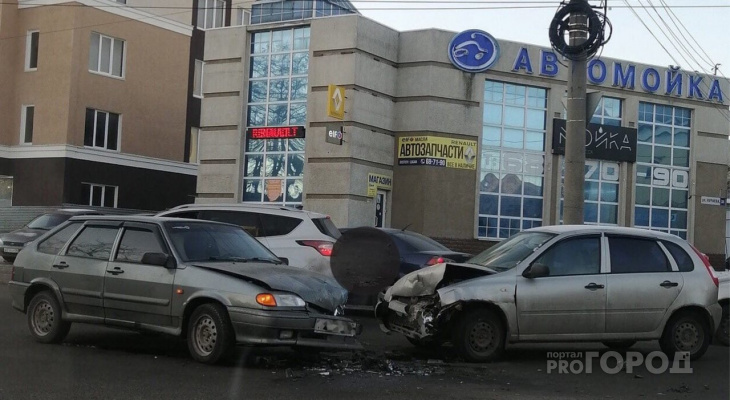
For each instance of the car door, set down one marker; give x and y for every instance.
(641, 286)
(79, 272)
(135, 292)
(570, 302)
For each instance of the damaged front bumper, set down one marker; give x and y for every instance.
(415, 317)
(294, 328)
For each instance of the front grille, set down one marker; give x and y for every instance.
(15, 244)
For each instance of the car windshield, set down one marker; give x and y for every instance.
(201, 241)
(507, 254)
(420, 242)
(48, 221)
(327, 227)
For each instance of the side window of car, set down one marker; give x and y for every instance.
(93, 242)
(55, 242)
(136, 242)
(185, 214)
(278, 225)
(683, 260)
(581, 256)
(635, 255)
(246, 220)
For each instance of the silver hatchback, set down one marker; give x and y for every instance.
(562, 284)
(208, 282)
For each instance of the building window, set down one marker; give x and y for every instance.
(106, 55)
(211, 13)
(601, 177)
(608, 112)
(6, 191)
(198, 79)
(102, 129)
(513, 158)
(662, 168)
(277, 97)
(31, 50)
(292, 10)
(27, 116)
(243, 17)
(600, 192)
(99, 195)
(194, 145)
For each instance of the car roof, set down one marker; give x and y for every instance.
(79, 211)
(619, 230)
(141, 218)
(259, 207)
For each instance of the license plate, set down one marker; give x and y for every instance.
(335, 327)
(11, 250)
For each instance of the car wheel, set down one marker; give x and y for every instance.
(44, 319)
(620, 344)
(9, 259)
(210, 335)
(479, 336)
(685, 332)
(723, 332)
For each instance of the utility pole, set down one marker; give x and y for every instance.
(575, 138)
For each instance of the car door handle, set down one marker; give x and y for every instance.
(115, 271)
(669, 284)
(594, 286)
(61, 265)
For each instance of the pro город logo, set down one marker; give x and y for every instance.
(473, 50)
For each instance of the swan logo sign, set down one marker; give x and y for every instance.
(473, 51)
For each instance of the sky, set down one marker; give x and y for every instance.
(630, 41)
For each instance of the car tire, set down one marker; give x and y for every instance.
(620, 344)
(210, 335)
(479, 336)
(685, 332)
(44, 319)
(9, 259)
(723, 332)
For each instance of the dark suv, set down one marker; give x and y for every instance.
(11, 243)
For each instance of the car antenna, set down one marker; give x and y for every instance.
(406, 227)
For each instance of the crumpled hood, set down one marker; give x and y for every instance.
(314, 288)
(426, 281)
(23, 235)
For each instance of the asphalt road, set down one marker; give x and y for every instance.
(103, 363)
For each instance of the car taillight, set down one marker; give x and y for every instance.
(706, 260)
(323, 247)
(438, 260)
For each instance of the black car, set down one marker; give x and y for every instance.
(11, 243)
(415, 251)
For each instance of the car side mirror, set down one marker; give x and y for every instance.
(160, 259)
(284, 260)
(536, 270)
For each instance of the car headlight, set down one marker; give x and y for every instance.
(279, 300)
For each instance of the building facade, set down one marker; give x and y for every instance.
(377, 127)
(94, 103)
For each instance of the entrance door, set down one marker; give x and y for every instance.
(380, 199)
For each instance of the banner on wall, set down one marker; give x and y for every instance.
(436, 151)
(377, 181)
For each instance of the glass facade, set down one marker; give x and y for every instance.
(292, 10)
(601, 177)
(662, 168)
(277, 97)
(513, 158)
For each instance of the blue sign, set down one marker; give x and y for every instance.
(473, 51)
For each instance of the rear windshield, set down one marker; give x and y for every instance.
(48, 221)
(419, 242)
(327, 227)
